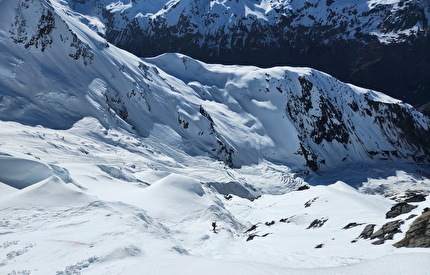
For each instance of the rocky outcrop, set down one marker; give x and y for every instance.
(418, 234)
(310, 202)
(367, 231)
(252, 236)
(351, 225)
(399, 209)
(416, 197)
(43, 35)
(386, 232)
(303, 187)
(317, 223)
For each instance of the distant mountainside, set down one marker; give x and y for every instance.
(55, 70)
(378, 44)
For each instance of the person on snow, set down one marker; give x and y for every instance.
(214, 226)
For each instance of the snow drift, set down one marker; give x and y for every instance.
(21, 173)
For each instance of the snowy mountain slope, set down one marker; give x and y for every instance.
(241, 115)
(110, 164)
(77, 74)
(390, 21)
(327, 115)
(377, 44)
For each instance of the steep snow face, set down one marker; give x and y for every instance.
(382, 45)
(288, 112)
(58, 71)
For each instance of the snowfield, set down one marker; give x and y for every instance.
(98, 201)
(113, 164)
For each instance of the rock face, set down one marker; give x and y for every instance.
(418, 234)
(386, 232)
(317, 223)
(367, 231)
(416, 198)
(399, 209)
(351, 225)
(377, 44)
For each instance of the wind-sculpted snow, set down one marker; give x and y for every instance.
(100, 224)
(21, 173)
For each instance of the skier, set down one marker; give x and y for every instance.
(214, 226)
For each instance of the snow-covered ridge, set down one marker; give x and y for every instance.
(241, 115)
(390, 21)
(375, 44)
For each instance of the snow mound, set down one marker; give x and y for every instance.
(175, 197)
(21, 173)
(47, 193)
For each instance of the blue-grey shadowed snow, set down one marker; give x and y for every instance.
(245, 191)
(119, 173)
(21, 173)
(25, 111)
(358, 174)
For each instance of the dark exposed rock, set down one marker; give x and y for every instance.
(387, 231)
(378, 242)
(418, 235)
(286, 220)
(81, 50)
(399, 209)
(317, 223)
(228, 197)
(319, 245)
(367, 231)
(269, 223)
(351, 225)
(252, 228)
(203, 112)
(416, 198)
(309, 202)
(41, 37)
(411, 216)
(303, 187)
(252, 236)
